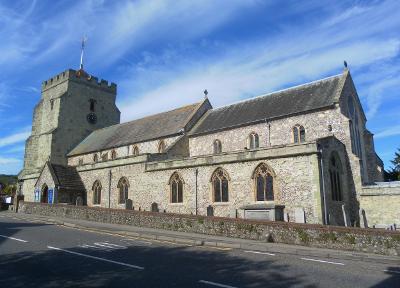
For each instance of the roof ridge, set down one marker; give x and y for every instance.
(279, 91)
(145, 117)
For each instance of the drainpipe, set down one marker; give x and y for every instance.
(196, 173)
(269, 134)
(323, 185)
(109, 190)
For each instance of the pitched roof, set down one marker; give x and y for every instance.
(298, 99)
(140, 130)
(68, 177)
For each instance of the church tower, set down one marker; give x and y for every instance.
(72, 105)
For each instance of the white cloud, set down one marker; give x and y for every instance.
(4, 161)
(14, 138)
(389, 132)
(10, 165)
(246, 73)
(376, 94)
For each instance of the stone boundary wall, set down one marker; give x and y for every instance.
(313, 235)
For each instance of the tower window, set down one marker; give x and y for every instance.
(51, 104)
(92, 104)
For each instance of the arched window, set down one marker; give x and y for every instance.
(161, 146)
(176, 188)
(299, 134)
(264, 183)
(96, 192)
(44, 193)
(113, 155)
(335, 171)
(135, 150)
(220, 185)
(95, 158)
(123, 187)
(253, 141)
(217, 147)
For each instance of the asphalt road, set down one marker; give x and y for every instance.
(33, 254)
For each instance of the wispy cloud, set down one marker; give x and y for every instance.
(389, 132)
(14, 138)
(4, 161)
(251, 69)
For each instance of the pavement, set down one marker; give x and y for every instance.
(38, 251)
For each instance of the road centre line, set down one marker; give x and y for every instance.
(258, 252)
(96, 258)
(215, 284)
(391, 271)
(12, 238)
(322, 261)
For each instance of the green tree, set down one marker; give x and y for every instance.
(393, 174)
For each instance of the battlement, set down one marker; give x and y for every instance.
(82, 77)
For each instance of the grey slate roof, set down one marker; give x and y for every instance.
(68, 177)
(140, 130)
(298, 99)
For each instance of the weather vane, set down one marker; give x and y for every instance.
(84, 39)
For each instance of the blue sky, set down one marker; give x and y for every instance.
(163, 54)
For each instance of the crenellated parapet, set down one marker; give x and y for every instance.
(79, 76)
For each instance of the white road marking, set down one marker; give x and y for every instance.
(12, 238)
(109, 245)
(90, 246)
(97, 258)
(392, 271)
(322, 261)
(258, 252)
(216, 284)
(114, 245)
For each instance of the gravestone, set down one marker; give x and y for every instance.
(128, 204)
(364, 219)
(299, 215)
(210, 211)
(154, 207)
(286, 217)
(346, 217)
(79, 201)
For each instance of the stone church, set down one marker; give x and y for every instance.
(301, 154)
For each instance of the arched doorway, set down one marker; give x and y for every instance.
(44, 193)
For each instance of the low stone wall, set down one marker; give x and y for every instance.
(381, 204)
(344, 238)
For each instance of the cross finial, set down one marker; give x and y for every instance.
(84, 39)
(205, 93)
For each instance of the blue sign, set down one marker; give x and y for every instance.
(50, 196)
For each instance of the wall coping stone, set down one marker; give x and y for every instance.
(217, 218)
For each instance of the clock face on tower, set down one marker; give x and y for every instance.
(91, 118)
